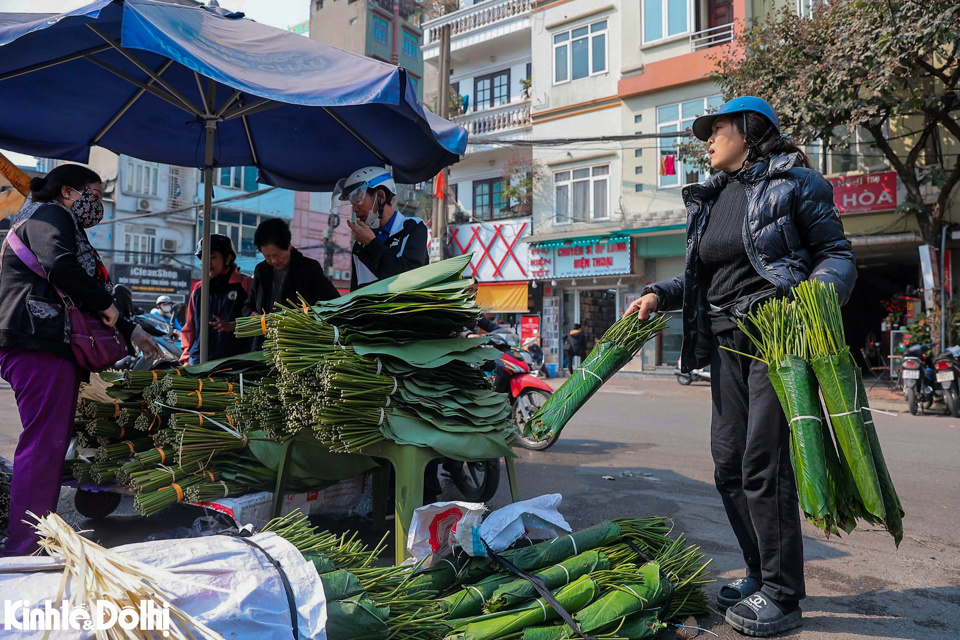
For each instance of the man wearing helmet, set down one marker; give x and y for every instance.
(164, 309)
(387, 243)
(229, 290)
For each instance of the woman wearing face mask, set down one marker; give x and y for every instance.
(35, 354)
(387, 243)
(762, 225)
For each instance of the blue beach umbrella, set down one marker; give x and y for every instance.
(204, 87)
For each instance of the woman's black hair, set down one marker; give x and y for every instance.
(74, 176)
(272, 231)
(763, 139)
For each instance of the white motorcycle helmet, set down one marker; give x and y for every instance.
(355, 186)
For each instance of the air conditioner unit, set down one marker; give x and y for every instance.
(168, 245)
(143, 205)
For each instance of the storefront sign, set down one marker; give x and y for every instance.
(864, 194)
(152, 280)
(498, 253)
(529, 327)
(580, 259)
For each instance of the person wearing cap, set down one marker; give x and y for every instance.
(386, 243)
(229, 290)
(764, 223)
(284, 275)
(164, 310)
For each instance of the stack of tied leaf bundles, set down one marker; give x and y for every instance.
(802, 342)
(383, 363)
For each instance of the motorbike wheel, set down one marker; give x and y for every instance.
(912, 402)
(95, 505)
(684, 378)
(477, 481)
(524, 407)
(953, 402)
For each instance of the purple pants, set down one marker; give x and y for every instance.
(46, 389)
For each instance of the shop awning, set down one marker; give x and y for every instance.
(503, 297)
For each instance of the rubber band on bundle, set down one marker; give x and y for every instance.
(129, 444)
(263, 323)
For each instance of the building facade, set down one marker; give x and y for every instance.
(385, 30)
(491, 188)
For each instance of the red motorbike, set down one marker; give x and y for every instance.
(527, 392)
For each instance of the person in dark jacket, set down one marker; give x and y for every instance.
(284, 275)
(229, 290)
(35, 353)
(762, 225)
(574, 344)
(387, 243)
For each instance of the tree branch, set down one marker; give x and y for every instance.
(938, 73)
(944, 198)
(907, 176)
(919, 146)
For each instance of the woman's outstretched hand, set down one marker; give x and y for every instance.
(643, 306)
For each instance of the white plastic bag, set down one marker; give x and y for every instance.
(537, 519)
(434, 528)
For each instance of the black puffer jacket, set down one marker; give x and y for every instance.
(792, 232)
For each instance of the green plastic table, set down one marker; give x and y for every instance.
(409, 464)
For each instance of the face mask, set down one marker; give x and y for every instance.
(87, 209)
(166, 308)
(373, 220)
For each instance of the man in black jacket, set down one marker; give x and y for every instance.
(285, 273)
(387, 243)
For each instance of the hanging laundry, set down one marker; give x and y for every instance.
(668, 165)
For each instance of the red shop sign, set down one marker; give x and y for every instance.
(864, 194)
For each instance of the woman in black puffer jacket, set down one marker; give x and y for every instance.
(765, 223)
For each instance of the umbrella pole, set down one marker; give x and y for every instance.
(205, 259)
(210, 132)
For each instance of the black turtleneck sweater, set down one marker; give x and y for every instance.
(725, 267)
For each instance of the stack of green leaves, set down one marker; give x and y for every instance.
(841, 384)
(781, 341)
(613, 350)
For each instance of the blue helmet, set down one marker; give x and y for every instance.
(703, 126)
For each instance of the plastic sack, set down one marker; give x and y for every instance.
(537, 519)
(434, 528)
(220, 580)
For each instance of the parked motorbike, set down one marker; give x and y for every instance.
(165, 335)
(920, 385)
(697, 375)
(947, 368)
(527, 393)
(531, 346)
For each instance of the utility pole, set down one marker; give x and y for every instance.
(440, 210)
(395, 51)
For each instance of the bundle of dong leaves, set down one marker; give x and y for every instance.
(620, 579)
(382, 363)
(612, 351)
(802, 342)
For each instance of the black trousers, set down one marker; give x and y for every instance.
(750, 443)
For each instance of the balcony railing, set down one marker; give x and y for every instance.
(474, 17)
(501, 118)
(711, 37)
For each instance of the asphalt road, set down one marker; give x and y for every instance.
(642, 448)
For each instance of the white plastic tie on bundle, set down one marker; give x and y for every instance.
(388, 402)
(586, 371)
(806, 418)
(382, 414)
(566, 572)
(336, 335)
(241, 385)
(482, 599)
(395, 387)
(226, 489)
(543, 608)
(379, 366)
